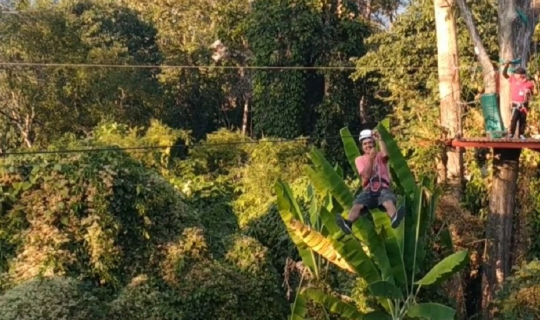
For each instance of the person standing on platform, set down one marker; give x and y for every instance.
(521, 90)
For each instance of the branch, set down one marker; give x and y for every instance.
(481, 53)
(8, 116)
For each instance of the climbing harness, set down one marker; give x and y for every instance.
(375, 183)
(519, 107)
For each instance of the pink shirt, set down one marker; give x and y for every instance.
(519, 90)
(380, 169)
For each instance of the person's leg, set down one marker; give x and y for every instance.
(513, 122)
(355, 211)
(361, 203)
(522, 123)
(388, 200)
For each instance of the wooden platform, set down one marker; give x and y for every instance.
(496, 143)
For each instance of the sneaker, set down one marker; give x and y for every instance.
(510, 136)
(396, 219)
(344, 225)
(522, 137)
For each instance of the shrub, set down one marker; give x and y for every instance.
(49, 299)
(214, 290)
(143, 299)
(267, 163)
(520, 296)
(102, 216)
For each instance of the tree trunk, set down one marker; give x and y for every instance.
(451, 164)
(449, 91)
(514, 42)
(499, 226)
(245, 117)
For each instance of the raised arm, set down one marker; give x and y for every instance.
(505, 70)
(382, 145)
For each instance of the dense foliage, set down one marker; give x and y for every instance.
(183, 222)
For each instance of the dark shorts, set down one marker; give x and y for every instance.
(372, 200)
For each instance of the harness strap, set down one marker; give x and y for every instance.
(383, 183)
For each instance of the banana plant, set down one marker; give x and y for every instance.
(314, 263)
(388, 259)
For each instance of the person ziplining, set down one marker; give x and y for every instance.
(521, 91)
(375, 174)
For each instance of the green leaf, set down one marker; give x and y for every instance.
(314, 213)
(351, 250)
(351, 149)
(330, 180)
(298, 307)
(288, 210)
(377, 315)
(386, 290)
(338, 170)
(364, 230)
(334, 305)
(416, 226)
(446, 241)
(398, 162)
(445, 268)
(329, 222)
(393, 250)
(431, 311)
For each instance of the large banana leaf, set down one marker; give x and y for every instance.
(313, 206)
(289, 210)
(338, 170)
(411, 226)
(328, 179)
(417, 224)
(395, 256)
(445, 268)
(398, 162)
(364, 230)
(386, 290)
(350, 249)
(429, 205)
(329, 222)
(431, 311)
(321, 185)
(320, 244)
(401, 229)
(334, 304)
(298, 308)
(351, 149)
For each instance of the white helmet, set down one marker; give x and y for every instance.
(365, 134)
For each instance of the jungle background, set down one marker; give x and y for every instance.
(174, 214)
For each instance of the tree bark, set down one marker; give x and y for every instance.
(451, 164)
(245, 117)
(514, 42)
(499, 227)
(449, 90)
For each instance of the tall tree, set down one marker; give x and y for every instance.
(45, 102)
(449, 89)
(451, 166)
(517, 19)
